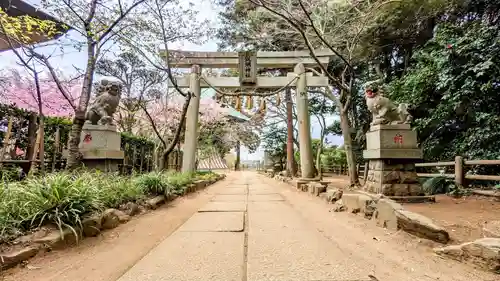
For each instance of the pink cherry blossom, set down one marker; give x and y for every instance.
(19, 89)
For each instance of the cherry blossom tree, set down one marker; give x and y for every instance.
(19, 89)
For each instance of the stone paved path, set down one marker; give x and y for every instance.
(256, 229)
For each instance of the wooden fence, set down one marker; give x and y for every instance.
(459, 175)
(341, 170)
(138, 157)
(460, 166)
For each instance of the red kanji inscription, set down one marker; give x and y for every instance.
(398, 138)
(87, 138)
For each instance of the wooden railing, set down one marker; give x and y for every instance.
(460, 165)
(342, 170)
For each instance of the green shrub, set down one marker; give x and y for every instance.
(119, 190)
(442, 185)
(61, 199)
(153, 183)
(178, 182)
(64, 198)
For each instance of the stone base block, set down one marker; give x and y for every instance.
(104, 165)
(393, 177)
(388, 153)
(394, 189)
(103, 137)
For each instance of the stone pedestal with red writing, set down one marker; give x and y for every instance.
(392, 151)
(100, 146)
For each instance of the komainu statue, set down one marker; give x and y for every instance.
(101, 111)
(383, 110)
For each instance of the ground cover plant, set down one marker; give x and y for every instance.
(63, 199)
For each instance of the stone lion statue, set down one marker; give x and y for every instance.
(383, 110)
(101, 111)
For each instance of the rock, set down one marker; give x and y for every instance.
(300, 184)
(333, 195)
(400, 189)
(356, 203)
(156, 202)
(314, 187)
(421, 226)
(338, 206)
(350, 202)
(38, 234)
(131, 209)
(111, 218)
(415, 189)
(122, 217)
(200, 184)
(319, 188)
(91, 226)
(9, 260)
(370, 209)
(56, 239)
(385, 214)
(191, 187)
(484, 252)
(365, 204)
(492, 229)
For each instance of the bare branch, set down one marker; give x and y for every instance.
(119, 19)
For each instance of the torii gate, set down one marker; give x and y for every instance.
(247, 63)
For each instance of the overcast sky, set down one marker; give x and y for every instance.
(69, 59)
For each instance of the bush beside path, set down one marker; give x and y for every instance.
(61, 208)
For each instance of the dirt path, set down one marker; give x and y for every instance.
(250, 228)
(110, 255)
(463, 217)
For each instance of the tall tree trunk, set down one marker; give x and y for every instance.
(290, 160)
(74, 158)
(41, 123)
(318, 157)
(351, 160)
(177, 136)
(238, 152)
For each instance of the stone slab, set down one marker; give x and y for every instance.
(390, 127)
(231, 186)
(215, 221)
(102, 154)
(265, 197)
(230, 191)
(230, 197)
(192, 256)
(393, 154)
(388, 139)
(215, 206)
(282, 219)
(263, 191)
(298, 255)
(99, 137)
(269, 206)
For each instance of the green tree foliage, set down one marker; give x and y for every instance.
(454, 89)
(333, 156)
(274, 139)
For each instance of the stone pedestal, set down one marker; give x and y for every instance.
(100, 146)
(391, 153)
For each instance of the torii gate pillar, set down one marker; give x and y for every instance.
(191, 134)
(305, 146)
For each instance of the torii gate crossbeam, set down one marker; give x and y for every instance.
(186, 59)
(298, 60)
